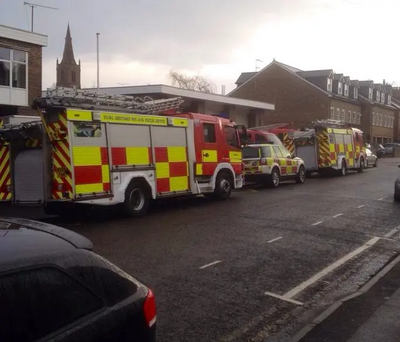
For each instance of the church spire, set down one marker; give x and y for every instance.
(68, 55)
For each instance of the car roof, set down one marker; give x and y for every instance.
(261, 145)
(23, 238)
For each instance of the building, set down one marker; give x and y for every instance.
(243, 112)
(68, 71)
(20, 70)
(301, 97)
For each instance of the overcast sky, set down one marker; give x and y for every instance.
(141, 40)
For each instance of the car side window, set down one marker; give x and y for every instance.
(285, 152)
(38, 302)
(209, 133)
(266, 151)
(231, 136)
(277, 152)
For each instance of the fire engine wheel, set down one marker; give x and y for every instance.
(301, 175)
(362, 166)
(137, 199)
(275, 178)
(223, 186)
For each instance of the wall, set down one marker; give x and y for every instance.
(380, 131)
(34, 70)
(296, 101)
(347, 106)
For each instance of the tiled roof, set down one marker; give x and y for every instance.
(314, 73)
(245, 76)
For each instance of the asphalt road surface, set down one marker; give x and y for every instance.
(258, 266)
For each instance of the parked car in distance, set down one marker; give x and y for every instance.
(53, 287)
(377, 149)
(389, 147)
(397, 189)
(371, 160)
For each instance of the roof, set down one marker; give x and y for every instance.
(338, 77)
(68, 54)
(315, 73)
(23, 36)
(22, 238)
(366, 83)
(179, 92)
(244, 76)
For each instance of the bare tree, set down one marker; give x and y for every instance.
(198, 83)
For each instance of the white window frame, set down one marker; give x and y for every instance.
(383, 98)
(340, 88)
(332, 116)
(349, 116)
(385, 118)
(346, 89)
(373, 118)
(354, 117)
(343, 115)
(11, 61)
(370, 93)
(378, 96)
(355, 92)
(329, 84)
(358, 118)
(380, 119)
(337, 113)
(389, 100)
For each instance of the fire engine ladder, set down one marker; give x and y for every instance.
(96, 101)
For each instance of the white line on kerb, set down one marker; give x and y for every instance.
(276, 239)
(337, 215)
(317, 223)
(361, 206)
(392, 232)
(330, 268)
(210, 264)
(380, 199)
(283, 298)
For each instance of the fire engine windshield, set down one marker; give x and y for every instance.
(250, 152)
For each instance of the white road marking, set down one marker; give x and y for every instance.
(317, 223)
(276, 239)
(330, 268)
(283, 298)
(361, 206)
(392, 232)
(210, 264)
(337, 215)
(380, 199)
(382, 238)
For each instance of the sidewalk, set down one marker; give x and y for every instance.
(370, 315)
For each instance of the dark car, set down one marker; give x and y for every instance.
(53, 287)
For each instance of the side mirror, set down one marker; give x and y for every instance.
(293, 155)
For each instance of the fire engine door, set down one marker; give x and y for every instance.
(231, 150)
(208, 151)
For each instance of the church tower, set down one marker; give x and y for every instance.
(68, 71)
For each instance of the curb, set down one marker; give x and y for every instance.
(305, 330)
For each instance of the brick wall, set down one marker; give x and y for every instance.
(34, 70)
(295, 100)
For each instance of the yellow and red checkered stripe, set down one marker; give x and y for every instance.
(288, 143)
(61, 159)
(125, 156)
(209, 164)
(287, 166)
(324, 152)
(172, 169)
(5, 174)
(91, 170)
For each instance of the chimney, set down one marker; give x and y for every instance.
(223, 89)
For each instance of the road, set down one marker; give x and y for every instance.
(262, 264)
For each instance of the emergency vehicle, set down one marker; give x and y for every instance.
(260, 135)
(24, 123)
(270, 163)
(331, 145)
(120, 150)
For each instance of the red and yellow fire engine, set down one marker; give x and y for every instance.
(94, 154)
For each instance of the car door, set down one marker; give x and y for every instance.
(370, 157)
(291, 165)
(280, 160)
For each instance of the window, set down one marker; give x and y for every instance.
(349, 116)
(354, 117)
(378, 96)
(42, 301)
(385, 121)
(337, 113)
(329, 85)
(373, 118)
(209, 133)
(346, 90)
(389, 100)
(383, 98)
(285, 152)
(370, 93)
(87, 130)
(340, 89)
(266, 151)
(277, 152)
(359, 118)
(231, 137)
(343, 118)
(260, 138)
(13, 64)
(250, 152)
(355, 92)
(332, 113)
(380, 119)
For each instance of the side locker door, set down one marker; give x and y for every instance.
(208, 151)
(90, 159)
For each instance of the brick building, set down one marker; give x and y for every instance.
(68, 71)
(20, 70)
(301, 97)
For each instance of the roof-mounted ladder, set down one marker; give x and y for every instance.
(73, 97)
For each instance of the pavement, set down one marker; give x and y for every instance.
(263, 265)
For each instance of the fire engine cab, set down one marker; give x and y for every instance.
(121, 150)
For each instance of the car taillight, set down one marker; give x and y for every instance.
(149, 308)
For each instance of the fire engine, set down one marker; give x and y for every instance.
(6, 151)
(331, 145)
(121, 150)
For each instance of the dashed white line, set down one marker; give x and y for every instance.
(276, 239)
(392, 232)
(330, 268)
(337, 215)
(380, 199)
(283, 298)
(361, 206)
(317, 223)
(210, 264)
